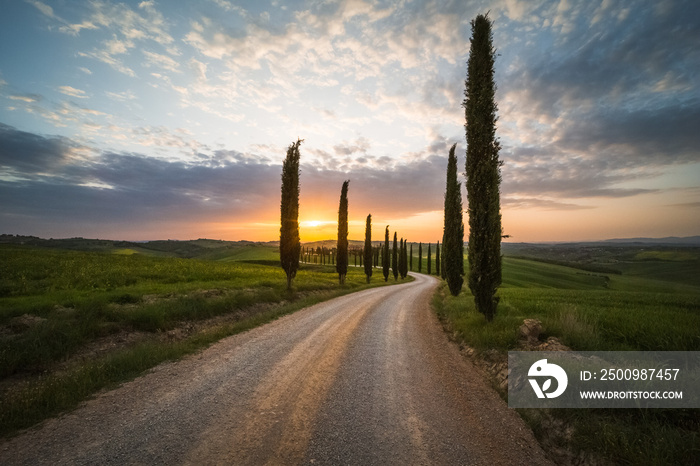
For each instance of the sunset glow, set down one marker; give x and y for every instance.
(152, 120)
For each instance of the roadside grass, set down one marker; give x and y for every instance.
(593, 312)
(54, 303)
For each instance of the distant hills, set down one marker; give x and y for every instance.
(201, 248)
(669, 240)
(205, 247)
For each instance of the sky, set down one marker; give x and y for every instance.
(141, 120)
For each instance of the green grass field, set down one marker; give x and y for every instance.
(58, 306)
(591, 311)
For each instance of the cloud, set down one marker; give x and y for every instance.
(73, 92)
(51, 183)
(127, 27)
(43, 7)
(614, 101)
(26, 98)
(121, 96)
(28, 154)
(105, 57)
(360, 145)
(162, 61)
(540, 204)
(55, 183)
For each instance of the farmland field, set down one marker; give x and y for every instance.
(75, 321)
(617, 299)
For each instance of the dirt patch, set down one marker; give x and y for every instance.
(20, 324)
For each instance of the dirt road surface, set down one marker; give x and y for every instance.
(368, 378)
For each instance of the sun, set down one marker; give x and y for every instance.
(313, 223)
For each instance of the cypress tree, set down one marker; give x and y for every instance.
(385, 255)
(342, 263)
(453, 239)
(404, 254)
(394, 259)
(290, 246)
(369, 254)
(429, 259)
(442, 262)
(437, 258)
(410, 259)
(401, 259)
(483, 170)
(420, 257)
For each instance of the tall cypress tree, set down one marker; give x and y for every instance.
(394, 259)
(369, 254)
(290, 246)
(410, 259)
(442, 262)
(453, 239)
(429, 260)
(437, 258)
(385, 255)
(420, 257)
(341, 265)
(483, 170)
(404, 262)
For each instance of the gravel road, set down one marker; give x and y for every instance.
(367, 378)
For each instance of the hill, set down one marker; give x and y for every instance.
(199, 248)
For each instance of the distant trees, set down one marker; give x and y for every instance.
(453, 239)
(341, 265)
(368, 247)
(290, 246)
(483, 170)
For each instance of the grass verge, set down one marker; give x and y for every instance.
(590, 312)
(48, 317)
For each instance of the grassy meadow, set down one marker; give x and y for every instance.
(649, 301)
(73, 321)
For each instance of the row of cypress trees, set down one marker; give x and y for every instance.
(396, 259)
(483, 183)
(483, 195)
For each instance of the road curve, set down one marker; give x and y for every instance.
(367, 378)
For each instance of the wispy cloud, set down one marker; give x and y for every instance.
(73, 92)
(27, 98)
(162, 61)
